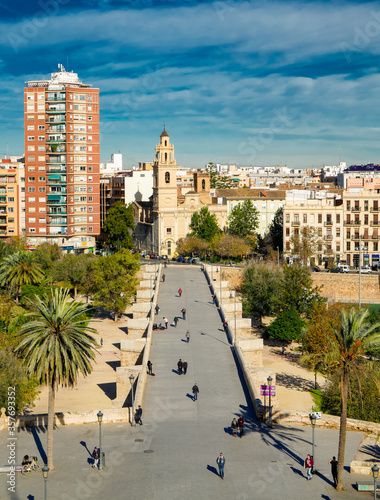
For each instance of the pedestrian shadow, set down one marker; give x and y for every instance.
(184, 340)
(190, 396)
(325, 497)
(331, 483)
(84, 444)
(213, 469)
(34, 431)
(297, 472)
(30, 497)
(228, 430)
(215, 338)
(175, 371)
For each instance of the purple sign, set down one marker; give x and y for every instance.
(264, 390)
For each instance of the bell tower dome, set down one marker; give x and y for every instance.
(164, 175)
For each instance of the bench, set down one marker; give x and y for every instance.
(367, 486)
(6, 468)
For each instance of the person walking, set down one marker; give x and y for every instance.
(183, 311)
(166, 321)
(234, 427)
(157, 308)
(175, 321)
(139, 415)
(187, 336)
(180, 292)
(195, 392)
(308, 465)
(334, 470)
(213, 298)
(101, 342)
(163, 278)
(95, 455)
(149, 364)
(180, 366)
(241, 425)
(225, 325)
(184, 366)
(221, 462)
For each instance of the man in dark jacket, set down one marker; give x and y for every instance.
(139, 415)
(195, 392)
(184, 367)
(180, 366)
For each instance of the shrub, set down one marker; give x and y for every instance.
(287, 326)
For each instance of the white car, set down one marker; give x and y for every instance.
(365, 270)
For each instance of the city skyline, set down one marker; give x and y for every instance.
(275, 83)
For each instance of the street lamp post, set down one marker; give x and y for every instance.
(235, 315)
(45, 472)
(313, 418)
(132, 381)
(360, 270)
(100, 419)
(269, 380)
(220, 286)
(375, 474)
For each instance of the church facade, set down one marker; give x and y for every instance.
(166, 218)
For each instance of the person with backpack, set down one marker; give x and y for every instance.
(308, 465)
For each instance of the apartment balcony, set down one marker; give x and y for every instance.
(56, 150)
(3, 210)
(356, 237)
(329, 251)
(55, 221)
(3, 200)
(56, 170)
(3, 191)
(355, 209)
(328, 223)
(374, 223)
(374, 209)
(296, 223)
(56, 199)
(58, 139)
(56, 159)
(56, 99)
(56, 109)
(3, 231)
(56, 129)
(328, 237)
(57, 211)
(3, 221)
(56, 119)
(351, 222)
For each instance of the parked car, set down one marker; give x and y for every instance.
(365, 270)
(316, 269)
(180, 259)
(343, 268)
(164, 257)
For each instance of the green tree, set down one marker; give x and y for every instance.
(347, 356)
(47, 255)
(306, 244)
(73, 270)
(19, 269)
(287, 326)
(56, 346)
(276, 230)
(243, 220)
(297, 291)
(192, 245)
(259, 290)
(218, 181)
(113, 282)
(204, 225)
(119, 226)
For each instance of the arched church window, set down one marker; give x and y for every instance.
(166, 143)
(203, 184)
(167, 177)
(166, 156)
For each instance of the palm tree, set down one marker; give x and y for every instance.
(56, 345)
(348, 348)
(20, 269)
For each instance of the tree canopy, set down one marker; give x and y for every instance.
(306, 244)
(276, 230)
(243, 220)
(119, 226)
(204, 225)
(218, 181)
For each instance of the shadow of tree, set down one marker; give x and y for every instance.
(294, 382)
(372, 450)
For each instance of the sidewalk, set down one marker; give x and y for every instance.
(173, 454)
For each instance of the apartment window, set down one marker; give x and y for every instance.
(89, 118)
(32, 229)
(90, 169)
(42, 220)
(31, 209)
(168, 231)
(41, 137)
(41, 158)
(11, 230)
(10, 190)
(31, 158)
(42, 230)
(348, 204)
(41, 179)
(296, 218)
(320, 232)
(41, 189)
(11, 220)
(90, 198)
(41, 117)
(89, 108)
(89, 138)
(42, 209)
(287, 218)
(89, 98)
(30, 137)
(30, 117)
(90, 189)
(90, 209)
(338, 248)
(348, 246)
(42, 199)
(32, 220)
(90, 219)
(31, 148)
(305, 218)
(41, 127)
(31, 190)
(41, 148)
(30, 97)
(375, 246)
(366, 219)
(31, 179)
(287, 231)
(319, 218)
(30, 107)
(90, 229)
(89, 128)
(89, 148)
(30, 128)
(41, 169)
(89, 158)
(41, 97)
(11, 209)
(11, 199)
(338, 232)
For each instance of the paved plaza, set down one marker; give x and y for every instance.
(172, 455)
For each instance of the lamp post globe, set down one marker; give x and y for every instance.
(45, 471)
(375, 474)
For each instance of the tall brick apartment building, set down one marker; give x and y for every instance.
(62, 180)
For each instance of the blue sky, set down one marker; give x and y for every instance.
(253, 83)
